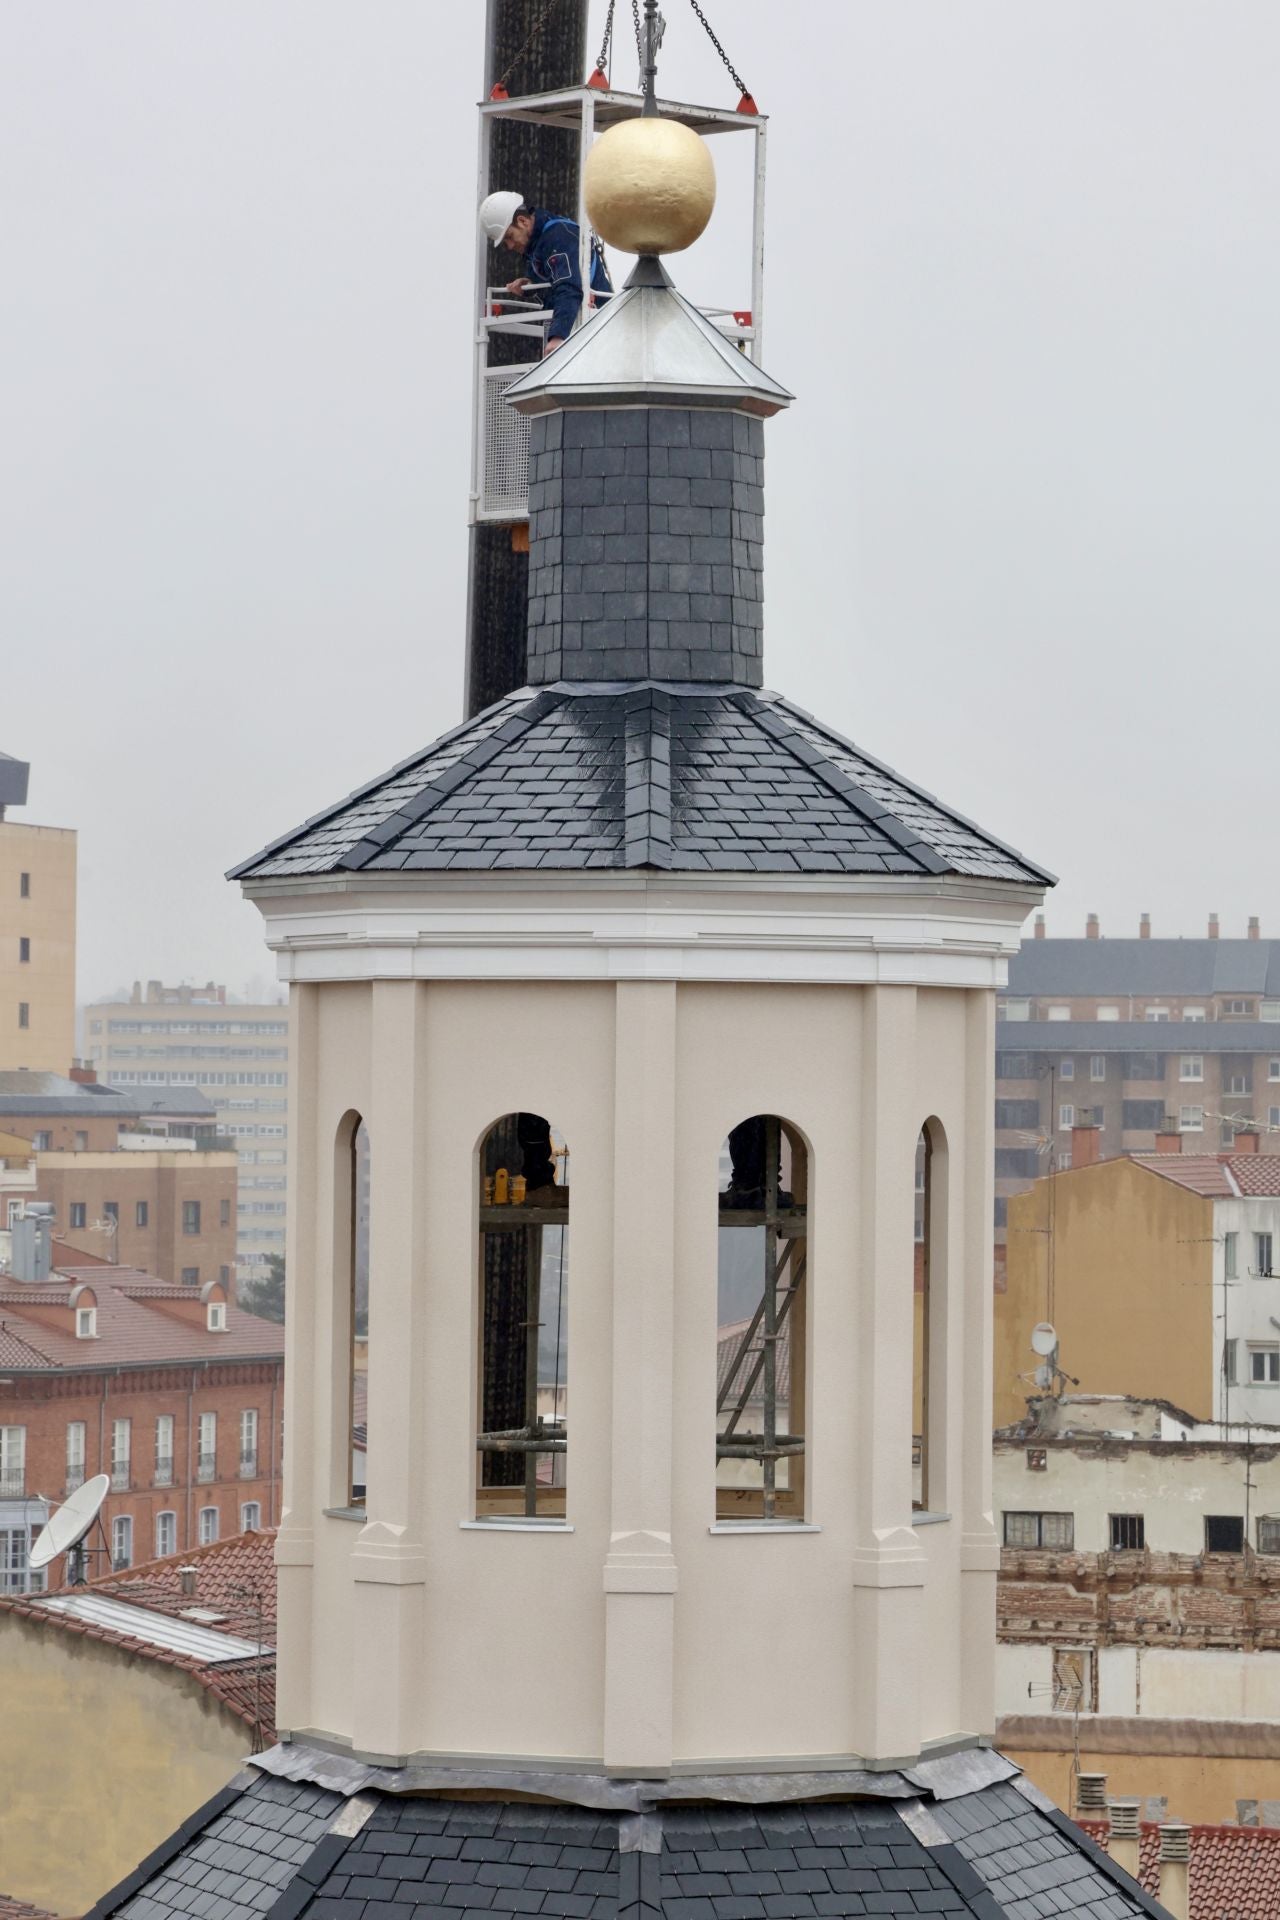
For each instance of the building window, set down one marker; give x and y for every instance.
(191, 1276)
(111, 1211)
(217, 1316)
(164, 1451)
(13, 1462)
(207, 1460)
(166, 1535)
(224, 1213)
(1015, 1010)
(928, 1292)
(86, 1323)
(75, 1454)
(1223, 1533)
(42, 1141)
(1142, 1116)
(352, 1168)
(1013, 1066)
(121, 1542)
(24, 1013)
(1262, 1255)
(24, 886)
(140, 1213)
(1059, 1013)
(250, 1516)
(24, 950)
(1066, 1117)
(121, 1435)
(1273, 1117)
(524, 1278)
(1230, 1255)
(1191, 1120)
(1240, 1009)
(76, 1214)
(1191, 1066)
(1237, 1083)
(1144, 1066)
(1017, 1163)
(1073, 1680)
(1128, 1532)
(1264, 1366)
(1193, 1013)
(1229, 1349)
(1268, 1533)
(82, 1141)
(1066, 1070)
(1156, 1013)
(1023, 1114)
(1097, 1066)
(191, 1216)
(1054, 1532)
(208, 1525)
(248, 1443)
(1108, 1013)
(1002, 1211)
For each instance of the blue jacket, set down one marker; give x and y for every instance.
(553, 256)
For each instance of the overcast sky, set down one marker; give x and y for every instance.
(1021, 538)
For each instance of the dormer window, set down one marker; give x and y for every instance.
(217, 1316)
(86, 1323)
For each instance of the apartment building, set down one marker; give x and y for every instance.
(174, 1392)
(238, 1056)
(1095, 1029)
(37, 934)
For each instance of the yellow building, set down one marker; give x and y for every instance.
(37, 935)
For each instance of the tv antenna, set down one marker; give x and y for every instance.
(66, 1530)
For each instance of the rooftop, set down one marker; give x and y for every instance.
(29, 1093)
(1176, 968)
(1219, 1176)
(137, 1324)
(1235, 1871)
(690, 779)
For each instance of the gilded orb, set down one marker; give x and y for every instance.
(649, 185)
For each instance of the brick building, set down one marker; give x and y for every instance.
(172, 1391)
(172, 1214)
(1097, 1028)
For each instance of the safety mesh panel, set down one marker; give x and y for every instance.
(505, 492)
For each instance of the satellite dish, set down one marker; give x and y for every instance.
(68, 1526)
(1044, 1339)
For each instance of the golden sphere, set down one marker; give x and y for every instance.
(649, 185)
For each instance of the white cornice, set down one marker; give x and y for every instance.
(929, 932)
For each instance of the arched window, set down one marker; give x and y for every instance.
(927, 1276)
(351, 1291)
(522, 1390)
(761, 1322)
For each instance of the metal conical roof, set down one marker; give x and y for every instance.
(648, 346)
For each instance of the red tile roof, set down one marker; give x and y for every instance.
(235, 1577)
(11, 1909)
(136, 1324)
(1235, 1871)
(1218, 1176)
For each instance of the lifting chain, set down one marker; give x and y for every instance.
(498, 91)
(606, 45)
(734, 75)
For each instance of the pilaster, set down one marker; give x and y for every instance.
(303, 1496)
(388, 1562)
(640, 1569)
(979, 1545)
(888, 1565)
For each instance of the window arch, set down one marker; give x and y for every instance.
(522, 1384)
(351, 1294)
(928, 1278)
(762, 1319)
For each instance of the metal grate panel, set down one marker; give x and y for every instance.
(504, 493)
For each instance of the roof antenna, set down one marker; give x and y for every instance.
(654, 28)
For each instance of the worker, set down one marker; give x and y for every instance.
(548, 245)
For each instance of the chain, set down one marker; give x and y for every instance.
(734, 75)
(635, 15)
(602, 63)
(534, 31)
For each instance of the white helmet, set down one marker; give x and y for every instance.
(497, 211)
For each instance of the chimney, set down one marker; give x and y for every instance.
(1255, 929)
(1248, 1140)
(1091, 928)
(1213, 926)
(1091, 1796)
(1039, 926)
(1168, 1138)
(1175, 1868)
(83, 1074)
(1144, 927)
(1086, 1143)
(1123, 1844)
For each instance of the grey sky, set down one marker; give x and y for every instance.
(1021, 536)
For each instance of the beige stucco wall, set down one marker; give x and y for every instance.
(1199, 1787)
(47, 917)
(637, 1636)
(1173, 1484)
(110, 1752)
(1163, 1683)
(1121, 1261)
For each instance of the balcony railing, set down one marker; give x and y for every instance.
(163, 1476)
(248, 1466)
(206, 1466)
(120, 1476)
(12, 1483)
(75, 1478)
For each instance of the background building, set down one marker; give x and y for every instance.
(172, 1037)
(78, 1113)
(169, 1213)
(172, 1391)
(37, 934)
(1095, 1027)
